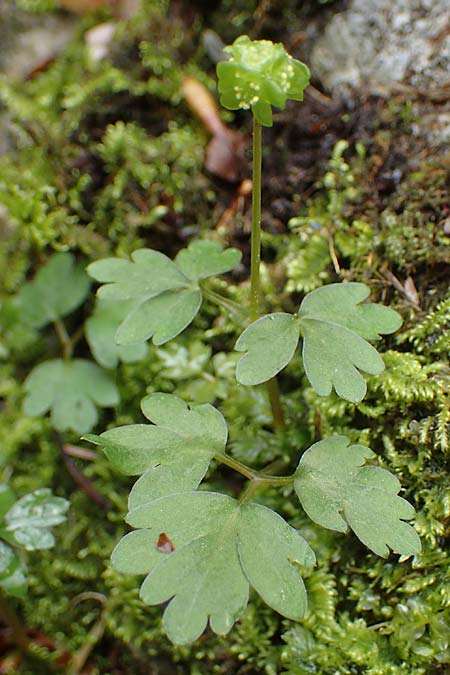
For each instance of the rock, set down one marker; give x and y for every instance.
(377, 43)
(30, 40)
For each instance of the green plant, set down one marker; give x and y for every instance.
(24, 524)
(199, 549)
(70, 388)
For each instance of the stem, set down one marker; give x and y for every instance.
(256, 223)
(94, 636)
(226, 303)
(64, 338)
(254, 476)
(10, 618)
(249, 491)
(261, 480)
(236, 465)
(255, 282)
(275, 403)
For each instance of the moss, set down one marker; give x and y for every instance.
(107, 158)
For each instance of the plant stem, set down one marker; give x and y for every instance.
(235, 464)
(94, 636)
(226, 303)
(256, 222)
(254, 476)
(10, 618)
(275, 403)
(64, 338)
(259, 481)
(255, 282)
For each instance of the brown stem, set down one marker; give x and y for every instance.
(94, 636)
(9, 617)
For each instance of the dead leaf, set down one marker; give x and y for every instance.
(224, 152)
(99, 39)
(164, 544)
(203, 105)
(411, 291)
(237, 207)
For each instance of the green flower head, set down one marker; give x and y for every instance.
(260, 74)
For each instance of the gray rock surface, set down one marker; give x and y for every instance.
(384, 46)
(28, 41)
(376, 43)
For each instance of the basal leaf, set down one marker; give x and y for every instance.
(167, 293)
(213, 547)
(12, 576)
(204, 424)
(71, 390)
(173, 453)
(271, 552)
(57, 289)
(147, 274)
(101, 329)
(202, 577)
(168, 477)
(136, 553)
(204, 259)
(269, 343)
(28, 521)
(335, 328)
(333, 357)
(337, 491)
(161, 318)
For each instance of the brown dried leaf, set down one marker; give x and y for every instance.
(224, 152)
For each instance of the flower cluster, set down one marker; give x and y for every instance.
(260, 74)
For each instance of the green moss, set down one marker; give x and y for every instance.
(107, 158)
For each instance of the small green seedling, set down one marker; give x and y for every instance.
(25, 524)
(201, 551)
(70, 388)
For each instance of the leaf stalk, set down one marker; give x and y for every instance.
(225, 303)
(257, 477)
(64, 339)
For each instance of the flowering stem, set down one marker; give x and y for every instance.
(255, 286)
(255, 282)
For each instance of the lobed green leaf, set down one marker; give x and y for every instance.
(57, 290)
(335, 328)
(217, 548)
(28, 521)
(166, 294)
(173, 453)
(337, 491)
(204, 259)
(269, 345)
(101, 329)
(70, 390)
